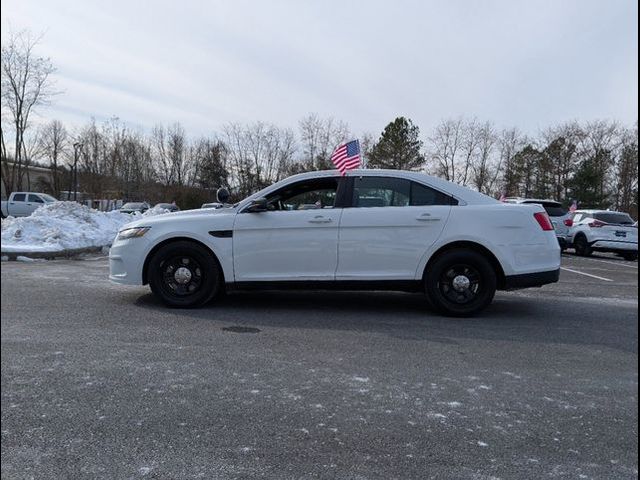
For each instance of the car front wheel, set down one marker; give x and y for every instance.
(460, 283)
(631, 256)
(184, 274)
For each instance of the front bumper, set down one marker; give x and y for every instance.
(126, 261)
(527, 280)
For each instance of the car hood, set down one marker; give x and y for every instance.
(184, 216)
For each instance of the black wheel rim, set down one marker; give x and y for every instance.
(182, 276)
(460, 284)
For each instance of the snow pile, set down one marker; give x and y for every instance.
(62, 226)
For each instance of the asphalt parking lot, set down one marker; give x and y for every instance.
(100, 381)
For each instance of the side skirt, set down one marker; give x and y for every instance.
(349, 285)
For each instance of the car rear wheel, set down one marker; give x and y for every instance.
(630, 256)
(184, 274)
(460, 283)
(582, 247)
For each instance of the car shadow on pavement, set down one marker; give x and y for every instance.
(398, 315)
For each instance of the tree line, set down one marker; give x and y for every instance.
(594, 163)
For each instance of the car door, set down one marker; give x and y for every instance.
(18, 205)
(389, 227)
(33, 202)
(295, 239)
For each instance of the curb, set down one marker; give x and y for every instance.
(71, 252)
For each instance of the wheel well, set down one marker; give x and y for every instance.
(476, 247)
(145, 267)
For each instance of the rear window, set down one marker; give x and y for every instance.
(554, 209)
(615, 218)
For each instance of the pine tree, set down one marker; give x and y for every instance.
(399, 147)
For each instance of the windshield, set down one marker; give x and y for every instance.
(616, 218)
(47, 198)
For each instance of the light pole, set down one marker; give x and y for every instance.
(76, 147)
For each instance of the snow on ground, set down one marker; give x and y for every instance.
(64, 225)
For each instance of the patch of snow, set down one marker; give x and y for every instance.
(482, 444)
(21, 258)
(454, 404)
(361, 379)
(436, 415)
(65, 225)
(4, 258)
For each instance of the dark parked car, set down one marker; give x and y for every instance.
(135, 207)
(172, 207)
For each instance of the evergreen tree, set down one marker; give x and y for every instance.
(526, 164)
(399, 147)
(585, 186)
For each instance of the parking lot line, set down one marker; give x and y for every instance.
(586, 274)
(617, 264)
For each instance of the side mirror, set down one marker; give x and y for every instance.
(222, 195)
(258, 205)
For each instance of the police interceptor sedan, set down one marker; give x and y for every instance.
(367, 230)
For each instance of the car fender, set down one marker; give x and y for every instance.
(444, 240)
(222, 248)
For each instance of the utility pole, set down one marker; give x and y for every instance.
(76, 148)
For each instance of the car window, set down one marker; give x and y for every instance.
(35, 198)
(616, 218)
(19, 197)
(395, 192)
(423, 195)
(577, 217)
(381, 192)
(553, 209)
(306, 195)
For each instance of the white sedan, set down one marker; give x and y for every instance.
(370, 229)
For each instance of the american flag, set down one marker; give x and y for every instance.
(347, 156)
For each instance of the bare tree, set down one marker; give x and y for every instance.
(318, 138)
(26, 85)
(258, 154)
(444, 148)
(54, 142)
(485, 165)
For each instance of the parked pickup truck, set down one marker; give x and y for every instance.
(23, 204)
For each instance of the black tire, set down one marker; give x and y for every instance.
(582, 247)
(184, 274)
(476, 278)
(630, 256)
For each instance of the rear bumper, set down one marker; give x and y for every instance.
(614, 246)
(527, 280)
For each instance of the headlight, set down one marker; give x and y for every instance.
(132, 233)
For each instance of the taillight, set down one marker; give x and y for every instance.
(544, 221)
(568, 222)
(597, 224)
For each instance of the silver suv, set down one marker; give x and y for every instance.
(604, 231)
(560, 216)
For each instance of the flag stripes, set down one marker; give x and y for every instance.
(347, 156)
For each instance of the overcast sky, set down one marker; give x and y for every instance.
(528, 63)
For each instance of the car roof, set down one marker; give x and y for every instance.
(532, 200)
(599, 211)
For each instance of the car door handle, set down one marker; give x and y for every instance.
(426, 217)
(320, 219)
